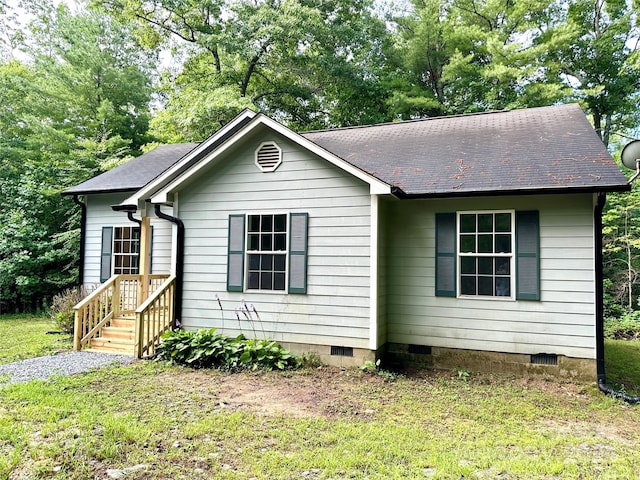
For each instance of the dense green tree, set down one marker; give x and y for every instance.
(309, 64)
(466, 56)
(598, 61)
(78, 105)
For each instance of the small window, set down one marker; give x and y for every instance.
(267, 252)
(485, 253)
(126, 250)
(268, 157)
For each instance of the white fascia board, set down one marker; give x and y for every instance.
(376, 186)
(139, 197)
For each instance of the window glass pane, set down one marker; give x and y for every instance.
(279, 262)
(126, 247)
(254, 262)
(254, 241)
(503, 287)
(266, 242)
(503, 222)
(267, 262)
(280, 241)
(485, 286)
(467, 223)
(254, 280)
(278, 281)
(485, 243)
(503, 243)
(468, 243)
(254, 223)
(267, 223)
(485, 222)
(485, 265)
(280, 223)
(265, 281)
(468, 285)
(503, 266)
(468, 265)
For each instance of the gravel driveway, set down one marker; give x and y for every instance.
(68, 363)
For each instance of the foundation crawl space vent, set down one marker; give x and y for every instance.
(420, 349)
(544, 359)
(342, 351)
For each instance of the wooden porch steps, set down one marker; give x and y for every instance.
(117, 337)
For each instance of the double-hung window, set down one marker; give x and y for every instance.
(488, 254)
(267, 252)
(126, 250)
(485, 253)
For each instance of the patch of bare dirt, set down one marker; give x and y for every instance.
(319, 392)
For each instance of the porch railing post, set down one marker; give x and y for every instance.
(116, 301)
(77, 330)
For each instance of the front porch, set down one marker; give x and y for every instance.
(127, 315)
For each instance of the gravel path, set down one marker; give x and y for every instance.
(67, 363)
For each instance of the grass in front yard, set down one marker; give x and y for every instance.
(168, 422)
(622, 364)
(172, 422)
(25, 336)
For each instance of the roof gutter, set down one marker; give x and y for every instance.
(179, 258)
(401, 194)
(600, 366)
(83, 236)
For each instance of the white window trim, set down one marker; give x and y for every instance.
(113, 249)
(512, 256)
(248, 252)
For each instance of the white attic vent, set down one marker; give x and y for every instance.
(268, 156)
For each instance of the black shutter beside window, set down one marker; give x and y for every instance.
(235, 256)
(527, 255)
(445, 254)
(105, 253)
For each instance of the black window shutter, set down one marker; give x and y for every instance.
(527, 255)
(235, 257)
(445, 254)
(105, 253)
(299, 225)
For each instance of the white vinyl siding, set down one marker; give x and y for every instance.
(335, 308)
(562, 322)
(100, 214)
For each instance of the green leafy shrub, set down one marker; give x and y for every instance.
(61, 310)
(626, 327)
(208, 349)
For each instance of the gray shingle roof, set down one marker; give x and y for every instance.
(545, 148)
(537, 149)
(136, 173)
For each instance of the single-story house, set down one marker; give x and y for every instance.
(466, 241)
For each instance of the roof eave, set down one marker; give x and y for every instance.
(71, 192)
(401, 194)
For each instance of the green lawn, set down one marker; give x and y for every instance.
(168, 422)
(25, 336)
